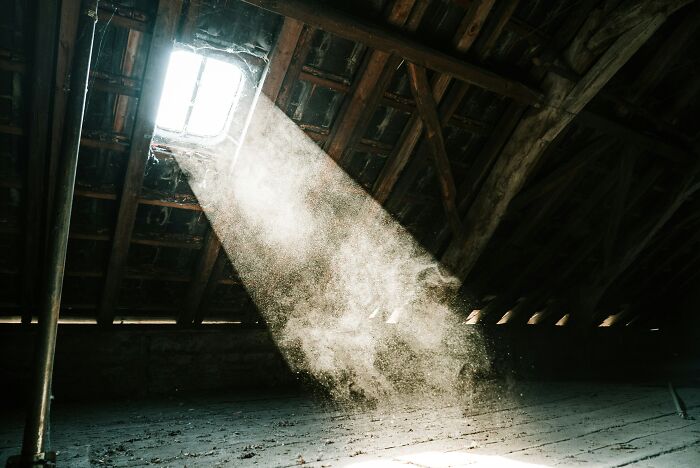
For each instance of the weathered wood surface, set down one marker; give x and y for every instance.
(371, 85)
(427, 109)
(281, 57)
(463, 40)
(203, 272)
(533, 425)
(629, 27)
(154, 76)
(380, 38)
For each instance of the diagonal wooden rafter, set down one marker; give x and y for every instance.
(281, 57)
(420, 87)
(562, 280)
(381, 38)
(371, 85)
(483, 163)
(559, 241)
(628, 28)
(487, 40)
(68, 30)
(291, 74)
(395, 165)
(654, 144)
(626, 170)
(154, 76)
(215, 278)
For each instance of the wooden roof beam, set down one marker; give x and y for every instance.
(216, 277)
(628, 27)
(395, 165)
(420, 87)
(640, 140)
(164, 30)
(281, 57)
(386, 40)
(470, 185)
(378, 70)
(296, 63)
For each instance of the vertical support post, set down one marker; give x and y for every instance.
(34, 444)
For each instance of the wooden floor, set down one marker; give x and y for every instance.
(537, 425)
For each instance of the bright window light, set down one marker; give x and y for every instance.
(198, 95)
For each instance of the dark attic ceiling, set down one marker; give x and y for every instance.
(442, 110)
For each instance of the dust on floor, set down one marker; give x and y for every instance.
(544, 424)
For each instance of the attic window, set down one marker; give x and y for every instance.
(199, 95)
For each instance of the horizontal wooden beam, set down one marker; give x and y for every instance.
(537, 129)
(12, 65)
(9, 129)
(177, 241)
(182, 202)
(146, 275)
(389, 41)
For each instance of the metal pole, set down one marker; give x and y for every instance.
(34, 444)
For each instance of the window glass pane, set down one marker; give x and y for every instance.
(218, 88)
(178, 88)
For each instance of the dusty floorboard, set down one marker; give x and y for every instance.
(535, 425)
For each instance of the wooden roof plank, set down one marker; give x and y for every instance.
(281, 57)
(381, 38)
(296, 64)
(664, 57)
(420, 87)
(154, 76)
(370, 86)
(389, 175)
(534, 132)
(487, 41)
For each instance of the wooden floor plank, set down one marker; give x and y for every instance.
(525, 425)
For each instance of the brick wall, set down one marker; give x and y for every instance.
(131, 361)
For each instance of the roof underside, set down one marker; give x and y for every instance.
(584, 211)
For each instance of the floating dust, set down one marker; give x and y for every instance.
(347, 293)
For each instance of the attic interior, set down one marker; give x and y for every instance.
(376, 233)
